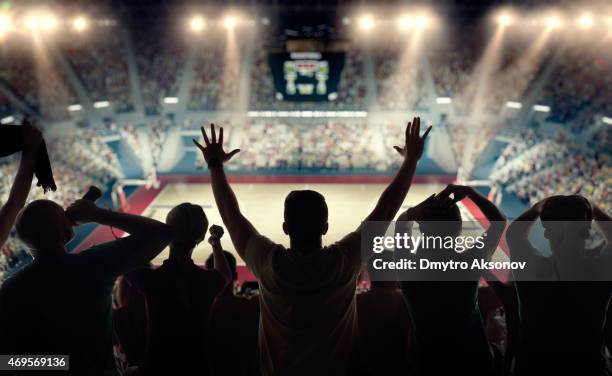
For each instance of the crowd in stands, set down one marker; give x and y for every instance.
(100, 61)
(348, 145)
(206, 84)
(578, 90)
(157, 132)
(160, 60)
(399, 79)
(533, 167)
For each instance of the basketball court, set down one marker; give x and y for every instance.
(261, 201)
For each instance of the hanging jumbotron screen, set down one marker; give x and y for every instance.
(306, 76)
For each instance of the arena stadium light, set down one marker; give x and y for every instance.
(607, 120)
(75, 107)
(504, 19)
(230, 22)
(423, 21)
(101, 104)
(196, 23)
(5, 24)
(514, 105)
(80, 23)
(7, 120)
(443, 100)
(366, 23)
(171, 100)
(553, 22)
(585, 21)
(541, 108)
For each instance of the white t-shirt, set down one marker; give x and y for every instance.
(308, 318)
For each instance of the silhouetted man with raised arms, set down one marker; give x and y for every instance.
(448, 329)
(60, 304)
(308, 311)
(563, 297)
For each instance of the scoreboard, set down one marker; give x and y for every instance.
(306, 76)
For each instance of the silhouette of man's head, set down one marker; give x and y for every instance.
(305, 216)
(440, 218)
(44, 226)
(231, 260)
(565, 218)
(189, 224)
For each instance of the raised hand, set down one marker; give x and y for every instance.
(413, 147)
(417, 212)
(459, 192)
(214, 147)
(216, 232)
(83, 211)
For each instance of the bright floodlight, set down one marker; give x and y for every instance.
(504, 19)
(423, 21)
(553, 22)
(366, 23)
(5, 23)
(80, 23)
(196, 23)
(585, 21)
(230, 22)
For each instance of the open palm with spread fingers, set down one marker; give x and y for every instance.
(213, 149)
(414, 142)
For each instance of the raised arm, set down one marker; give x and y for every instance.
(23, 181)
(517, 234)
(220, 261)
(391, 199)
(240, 229)
(147, 239)
(497, 219)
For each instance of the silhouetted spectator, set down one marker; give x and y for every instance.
(384, 329)
(179, 295)
(129, 324)
(564, 296)
(446, 313)
(308, 312)
(233, 326)
(61, 302)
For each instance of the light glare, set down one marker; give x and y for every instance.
(230, 22)
(80, 23)
(585, 21)
(405, 22)
(366, 23)
(5, 24)
(197, 23)
(504, 19)
(553, 22)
